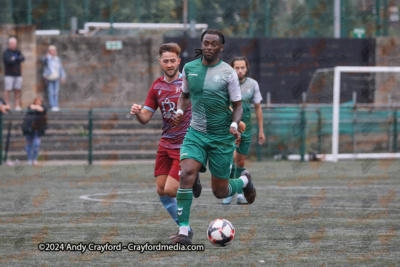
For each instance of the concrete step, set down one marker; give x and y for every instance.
(120, 116)
(83, 125)
(115, 134)
(82, 163)
(71, 133)
(83, 155)
(83, 146)
(97, 138)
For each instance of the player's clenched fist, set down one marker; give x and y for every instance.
(237, 135)
(135, 109)
(241, 127)
(176, 120)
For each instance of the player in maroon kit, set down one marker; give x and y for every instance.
(164, 94)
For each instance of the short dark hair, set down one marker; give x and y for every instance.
(241, 59)
(216, 32)
(170, 47)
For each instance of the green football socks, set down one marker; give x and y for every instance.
(184, 199)
(238, 172)
(234, 186)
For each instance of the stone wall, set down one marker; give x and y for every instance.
(100, 78)
(96, 77)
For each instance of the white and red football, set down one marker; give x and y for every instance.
(221, 232)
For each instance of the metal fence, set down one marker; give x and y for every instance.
(289, 129)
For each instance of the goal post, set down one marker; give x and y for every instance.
(336, 112)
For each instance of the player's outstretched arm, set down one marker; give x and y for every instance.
(183, 105)
(259, 116)
(236, 116)
(142, 115)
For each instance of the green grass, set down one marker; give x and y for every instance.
(309, 215)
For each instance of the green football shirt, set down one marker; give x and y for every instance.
(211, 89)
(250, 94)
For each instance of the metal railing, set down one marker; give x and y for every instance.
(301, 121)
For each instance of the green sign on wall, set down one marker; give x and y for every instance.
(359, 33)
(114, 45)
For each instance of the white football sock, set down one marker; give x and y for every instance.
(245, 180)
(184, 230)
(240, 195)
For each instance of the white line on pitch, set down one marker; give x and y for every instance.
(89, 198)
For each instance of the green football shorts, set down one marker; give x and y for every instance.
(218, 151)
(244, 146)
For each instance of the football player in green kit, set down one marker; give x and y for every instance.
(250, 94)
(210, 86)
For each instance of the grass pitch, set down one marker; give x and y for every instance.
(308, 214)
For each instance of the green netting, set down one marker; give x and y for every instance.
(360, 130)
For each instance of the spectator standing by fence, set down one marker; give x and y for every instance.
(33, 128)
(53, 74)
(12, 58)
